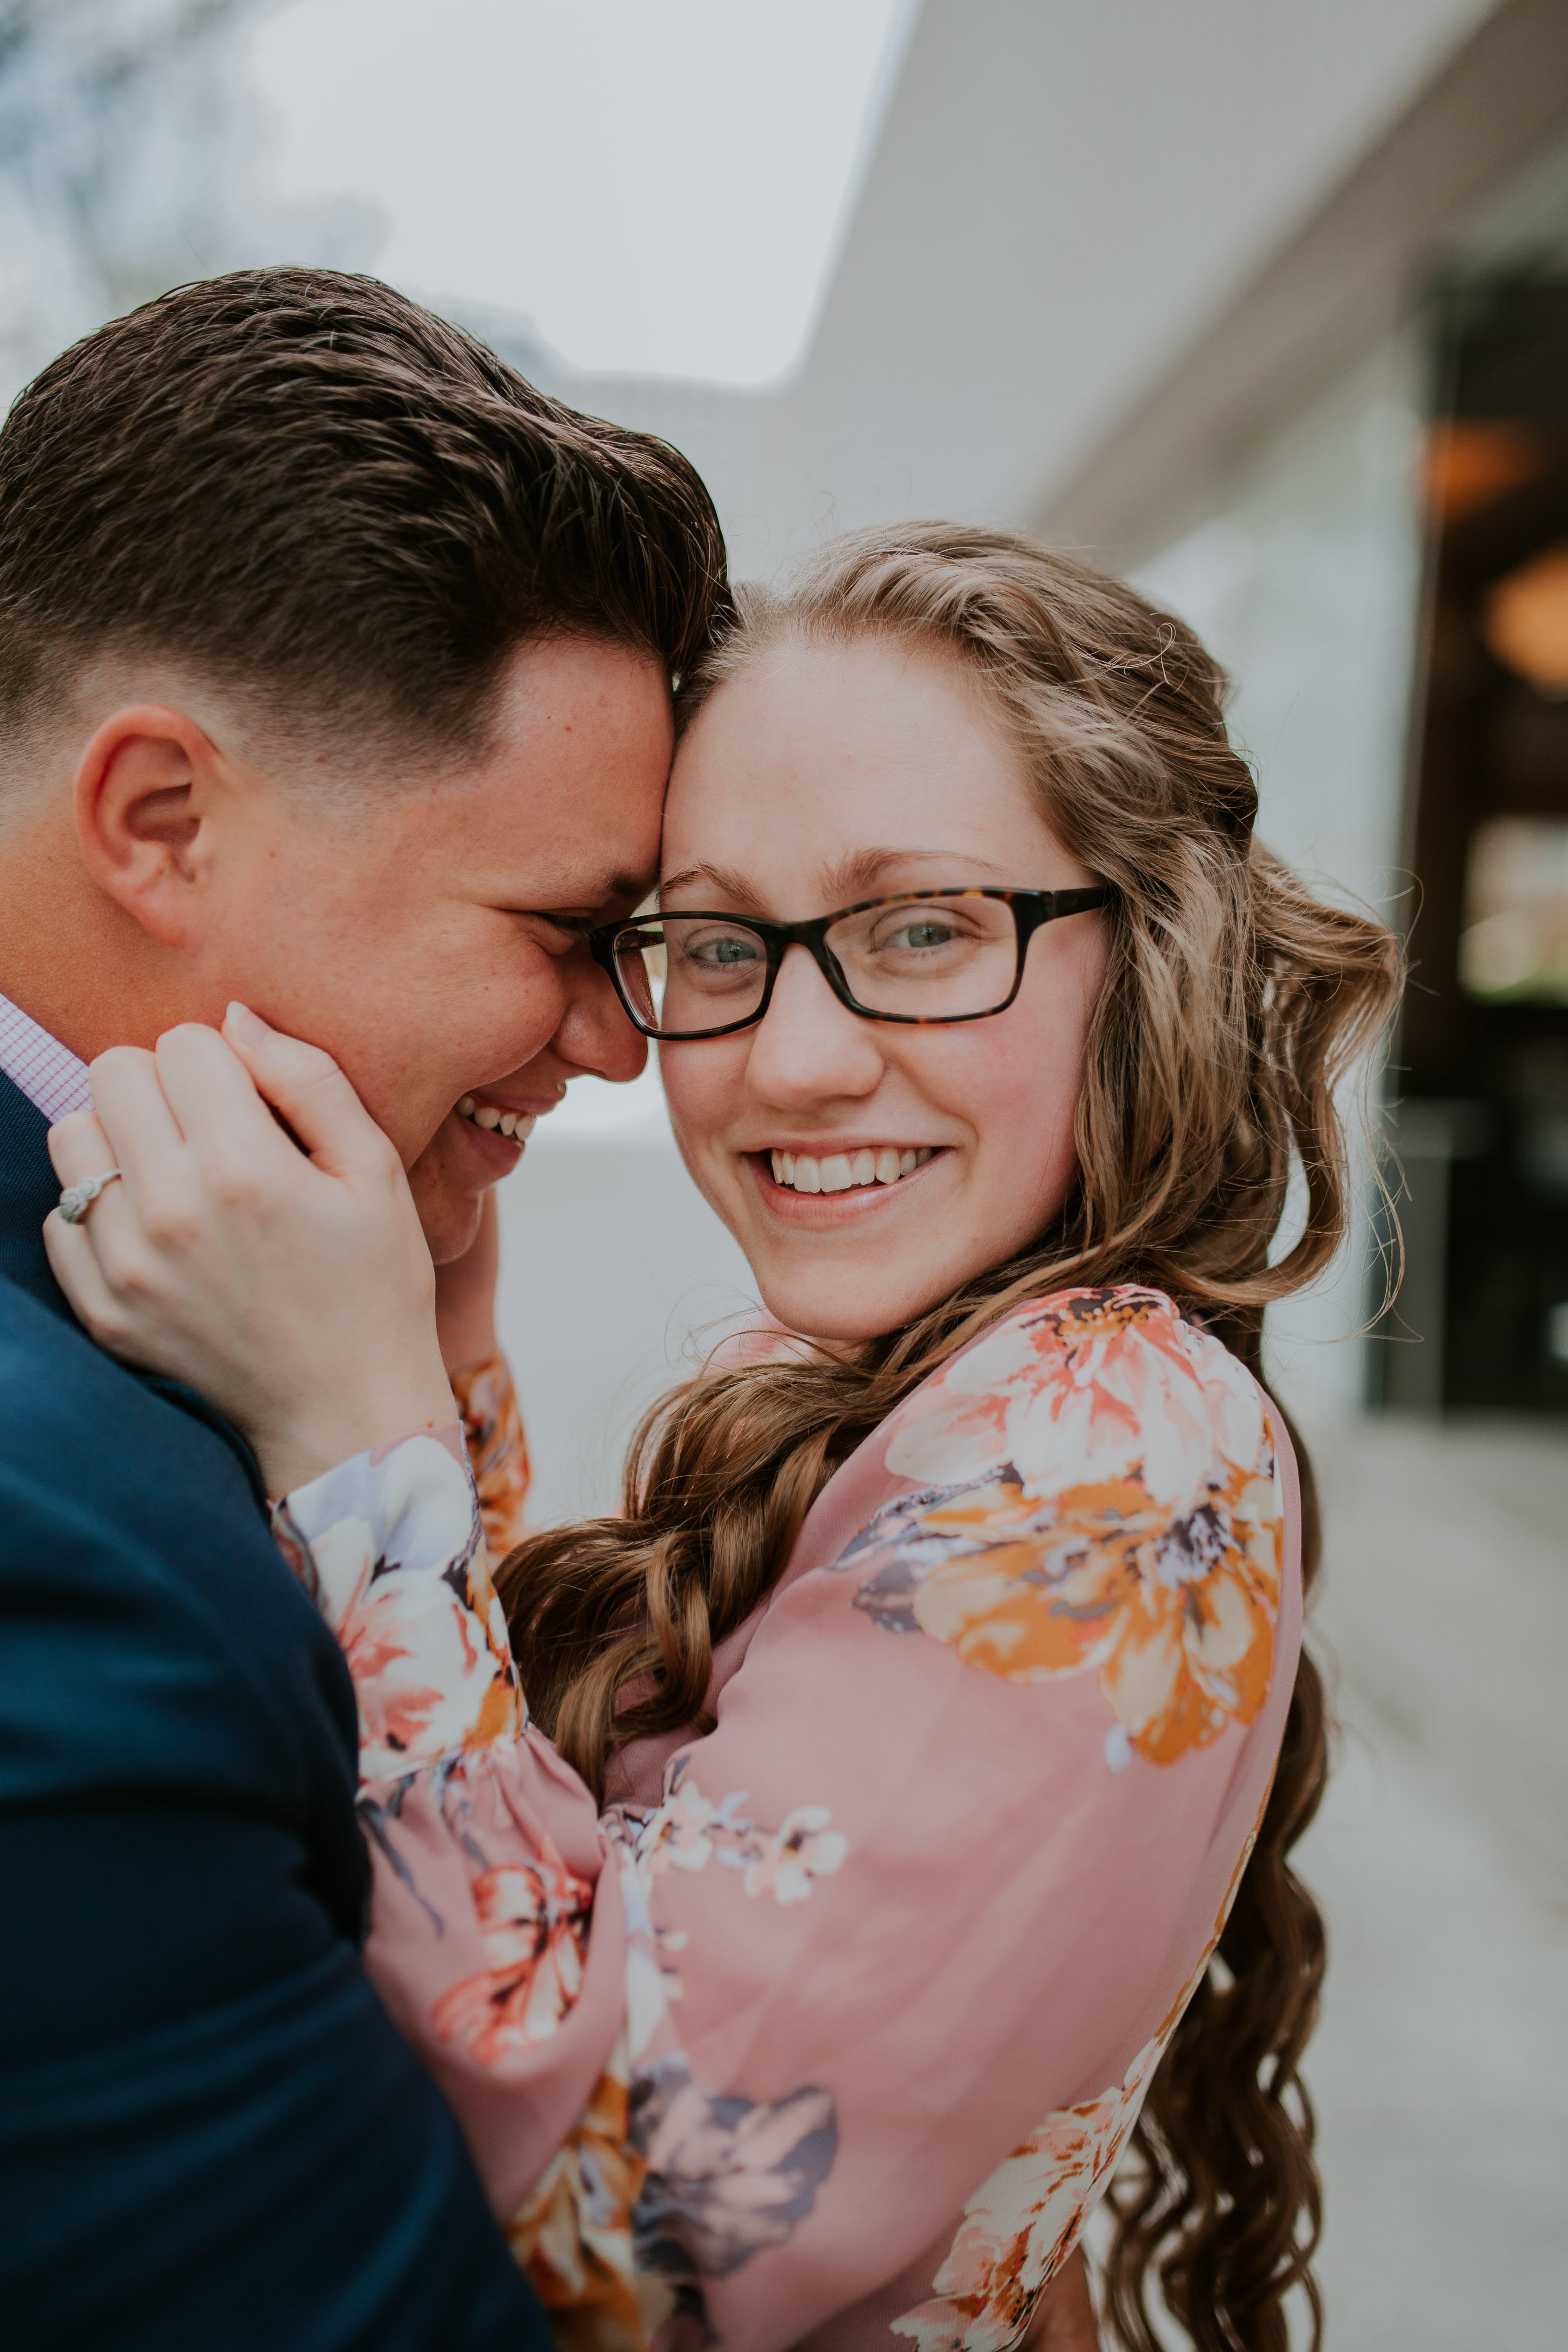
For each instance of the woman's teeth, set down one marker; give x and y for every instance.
(516, 1124)
(841, 1171)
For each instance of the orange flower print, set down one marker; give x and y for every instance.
(572, 2234)
(533, 1926)
(1160, 1572)
(498, 1450)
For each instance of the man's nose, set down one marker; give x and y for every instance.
(808, 1047)
(594, 1032)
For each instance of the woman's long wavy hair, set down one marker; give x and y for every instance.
(1233, 1004)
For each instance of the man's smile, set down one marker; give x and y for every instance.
(492, 1116)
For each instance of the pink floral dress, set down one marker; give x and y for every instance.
(831, 2032)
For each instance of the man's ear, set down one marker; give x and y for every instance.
(140, 802)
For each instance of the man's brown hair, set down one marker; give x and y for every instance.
(309, 488)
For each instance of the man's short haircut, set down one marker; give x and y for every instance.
(303, 486)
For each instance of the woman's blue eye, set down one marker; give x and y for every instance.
(924, 935)
(727, 950)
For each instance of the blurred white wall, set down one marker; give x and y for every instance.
(1304, 580)
(1063, 198)
(1062, 201)
(616, 1279)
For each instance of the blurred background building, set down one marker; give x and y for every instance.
(1266, 303)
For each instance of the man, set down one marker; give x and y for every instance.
(335, 673)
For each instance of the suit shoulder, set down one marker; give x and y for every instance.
(148, 1609)
(77, 1427)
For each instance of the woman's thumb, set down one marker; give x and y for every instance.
(306, 1086)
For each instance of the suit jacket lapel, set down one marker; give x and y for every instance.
(28, 1190)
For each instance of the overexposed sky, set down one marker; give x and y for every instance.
(660, 186)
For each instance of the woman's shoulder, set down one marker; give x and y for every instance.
(1085, 1384)
(1090, 1487)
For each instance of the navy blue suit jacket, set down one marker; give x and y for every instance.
(211, 2134)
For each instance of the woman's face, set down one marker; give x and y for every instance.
(818, 777)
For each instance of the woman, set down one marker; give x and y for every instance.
(942, 1671)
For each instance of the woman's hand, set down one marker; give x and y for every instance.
(289, 1283)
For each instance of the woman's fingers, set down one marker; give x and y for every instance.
(76, 1268)
(312, 1093)
(79, 1146)
(142, 1132)
(213, 1095)
(79, 1149)
(102, 1261)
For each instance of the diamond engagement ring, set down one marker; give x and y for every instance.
(78, 1199)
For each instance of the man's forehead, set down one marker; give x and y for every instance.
(555, 877)
(602, 850)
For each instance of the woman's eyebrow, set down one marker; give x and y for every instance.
(725, 879)
(861, 873)
(854, 876)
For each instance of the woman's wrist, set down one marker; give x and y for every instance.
(294, 1450)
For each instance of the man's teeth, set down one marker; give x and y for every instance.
(516, 1124)
(841, 1171)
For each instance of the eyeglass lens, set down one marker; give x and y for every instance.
(924, 959)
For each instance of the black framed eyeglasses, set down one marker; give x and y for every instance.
(923, 958)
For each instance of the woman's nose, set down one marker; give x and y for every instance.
(809, 1047)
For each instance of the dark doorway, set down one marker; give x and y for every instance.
(1483, 1126)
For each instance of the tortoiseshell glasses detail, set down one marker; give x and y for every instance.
(923, 958)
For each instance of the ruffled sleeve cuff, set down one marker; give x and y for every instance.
(391, 1547)
(498, 1449)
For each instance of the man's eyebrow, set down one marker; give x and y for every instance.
(628, 889)
(617, 889)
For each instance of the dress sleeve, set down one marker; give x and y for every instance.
(913, 1923)
(496, 1939)
(498, 1450)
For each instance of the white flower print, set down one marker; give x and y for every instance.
(1021, 2224)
